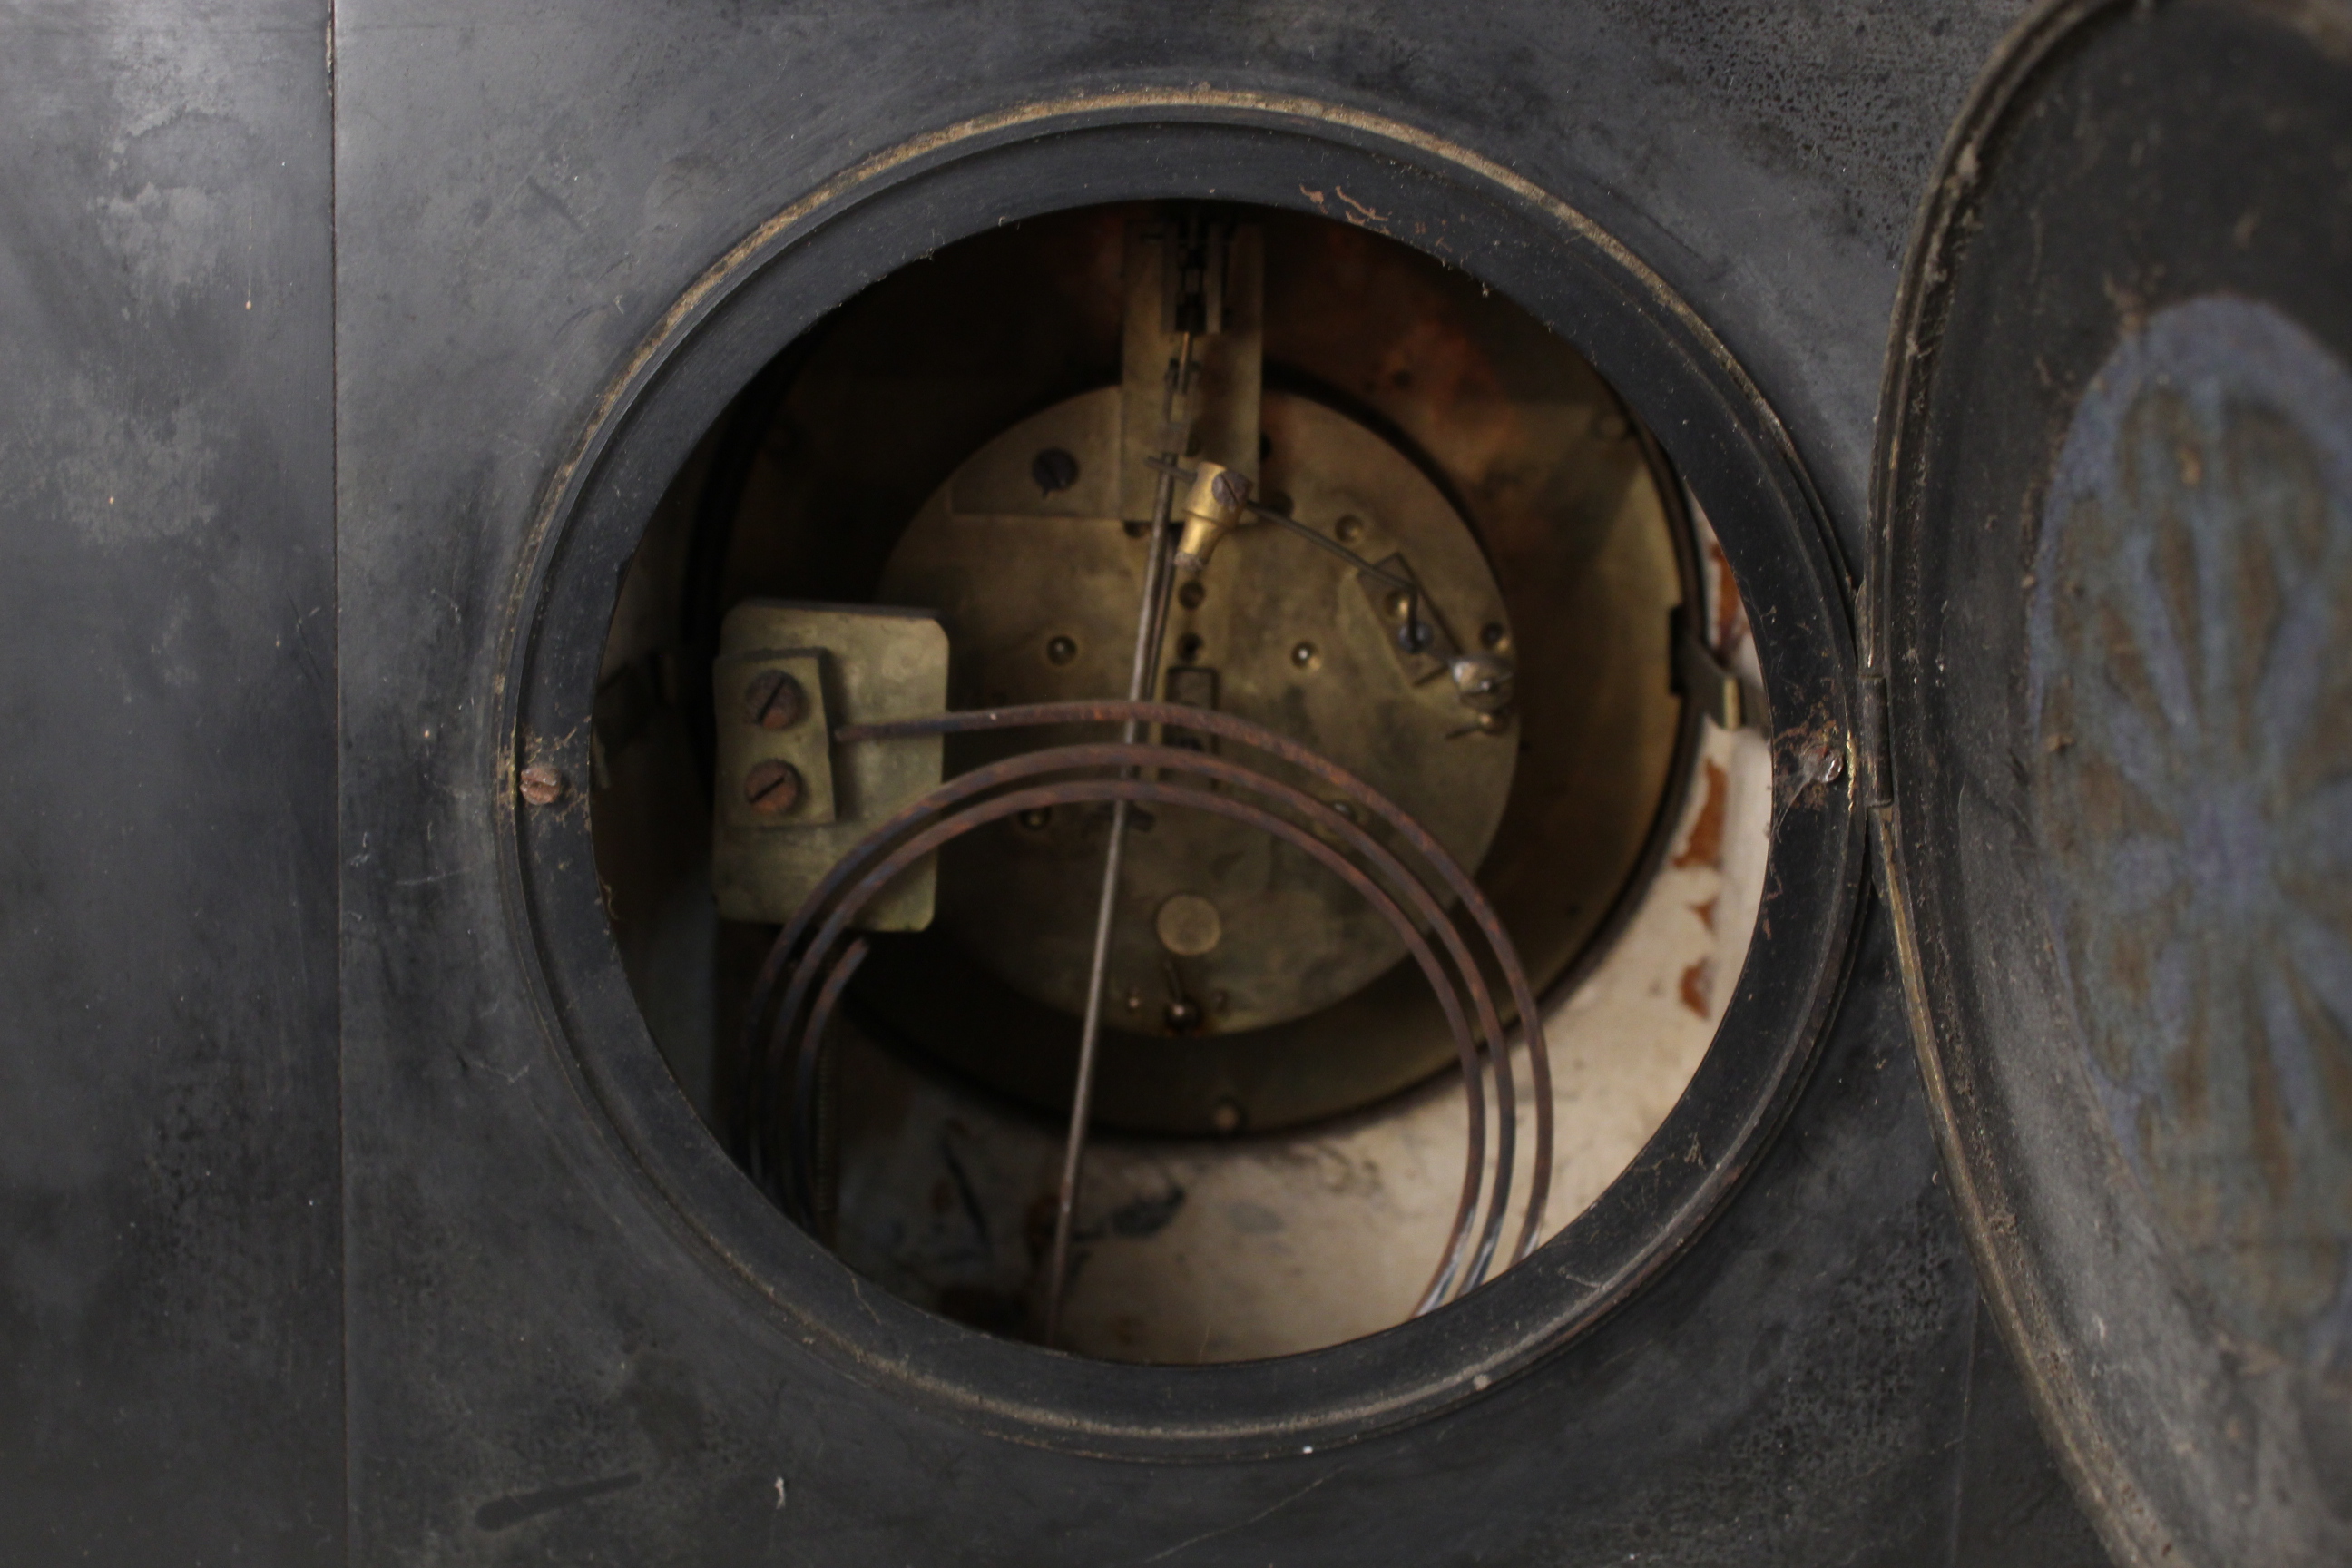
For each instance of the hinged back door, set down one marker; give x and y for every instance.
(2111, 606)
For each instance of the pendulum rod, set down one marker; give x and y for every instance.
(1151, 621)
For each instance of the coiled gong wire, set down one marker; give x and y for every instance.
(817, 952)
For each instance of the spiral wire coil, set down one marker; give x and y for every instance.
(814, 956)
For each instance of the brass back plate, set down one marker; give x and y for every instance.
(1041, 605)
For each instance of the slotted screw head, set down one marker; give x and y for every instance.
(773, 701)
(772, 787)
(543, 786)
